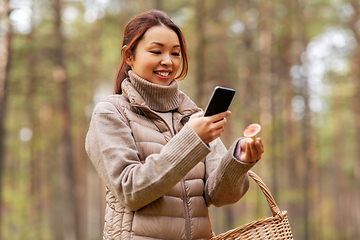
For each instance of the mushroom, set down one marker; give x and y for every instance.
(252, 130)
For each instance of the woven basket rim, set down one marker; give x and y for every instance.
(278, 216)
(247, 226)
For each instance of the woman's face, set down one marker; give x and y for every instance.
(157, 56)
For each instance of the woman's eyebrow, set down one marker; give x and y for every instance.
(162, 45)
(157, 43)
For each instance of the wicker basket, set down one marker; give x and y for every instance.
(273, 228)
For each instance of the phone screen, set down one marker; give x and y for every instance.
(219, 101)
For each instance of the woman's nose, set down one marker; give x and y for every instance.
(166, 60)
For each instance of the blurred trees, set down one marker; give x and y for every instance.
(5, 39)
(294, 64)
(66, 148)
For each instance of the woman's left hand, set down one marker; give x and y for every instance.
(251, 151)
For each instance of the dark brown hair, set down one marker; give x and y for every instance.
(134, 32)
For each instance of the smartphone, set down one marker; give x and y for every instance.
(219, 101)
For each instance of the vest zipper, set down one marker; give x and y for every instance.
(186, 209)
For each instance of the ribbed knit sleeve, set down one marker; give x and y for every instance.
(185, 145)
(111, 148)
(226, 177)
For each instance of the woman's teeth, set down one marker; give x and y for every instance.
(164, 74)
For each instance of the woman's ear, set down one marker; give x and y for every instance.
(127, 56)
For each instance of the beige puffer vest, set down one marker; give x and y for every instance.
(182, 212)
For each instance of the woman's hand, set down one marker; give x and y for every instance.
(251, 150)
(208, 128)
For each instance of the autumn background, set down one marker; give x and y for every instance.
(295, 65)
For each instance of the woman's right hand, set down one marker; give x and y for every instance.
(208, 128)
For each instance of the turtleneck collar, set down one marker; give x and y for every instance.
(157, 97)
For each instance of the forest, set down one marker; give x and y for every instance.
(295, 66)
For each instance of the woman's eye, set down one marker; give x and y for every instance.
(176, 54)
(156, 52)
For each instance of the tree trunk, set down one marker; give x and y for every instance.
(33, 124)
(305, 138)
(95, 210)
(66, 160)
(355, 73)
(200, 53)
(288, 136)
(4, 70)
(246, 71)
(221, 77)
(340, 221)
(266, 88)
(356, 111)
(355, 68)
(221, 66)
(306, 149)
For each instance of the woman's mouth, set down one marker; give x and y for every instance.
(163, 74)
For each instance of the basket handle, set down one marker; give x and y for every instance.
(272, 204)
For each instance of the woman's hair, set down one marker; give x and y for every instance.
(134, 32)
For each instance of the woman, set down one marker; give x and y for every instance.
(161, 160)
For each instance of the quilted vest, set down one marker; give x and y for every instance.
(179, 214)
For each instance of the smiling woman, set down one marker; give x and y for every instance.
(161, 159)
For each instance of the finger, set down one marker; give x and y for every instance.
(220, 124)
(259, 146)
(243, 143)
(260, 149)
(219, 116)
(217, 132)
(249, 154)
(254, 151)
